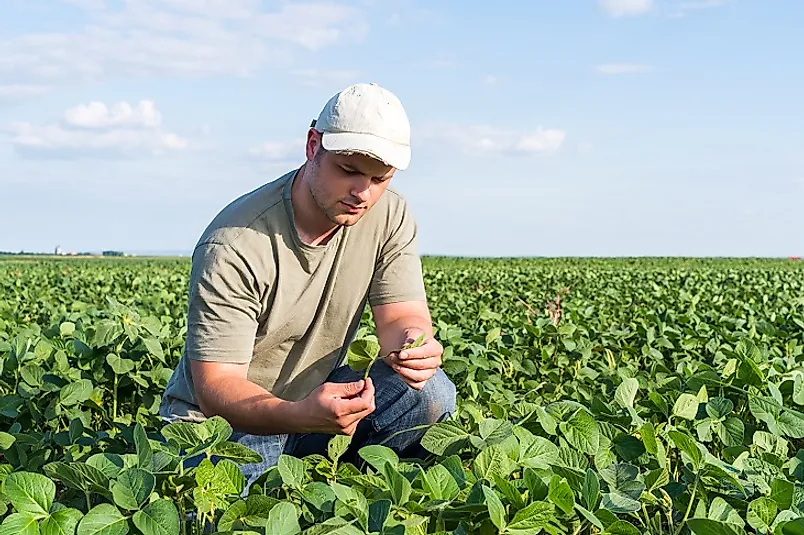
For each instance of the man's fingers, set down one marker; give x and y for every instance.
(429, 363)
(351, 420)
(415, 376)
(346, 390)
(357, 404)
(430, 349)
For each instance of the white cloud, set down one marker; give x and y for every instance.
(177, 38)
(278, 151)
(490, 79)
(87, 4)
(120, 114)
(623, 68)
(98, 130)
(21, 91)
(488, 139)
(625, 8)
(704, 4)
(326, 78)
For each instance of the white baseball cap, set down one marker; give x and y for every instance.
(369, 119)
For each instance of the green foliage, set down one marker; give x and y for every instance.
(649, 396)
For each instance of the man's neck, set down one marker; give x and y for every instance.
(313, 226)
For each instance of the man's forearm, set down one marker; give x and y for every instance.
(392, 335)
(249, 408)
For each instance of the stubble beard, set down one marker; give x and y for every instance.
(330, 211)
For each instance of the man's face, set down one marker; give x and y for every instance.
(344, 186)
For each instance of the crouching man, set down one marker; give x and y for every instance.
(279, 281)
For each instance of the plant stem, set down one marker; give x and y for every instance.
(689, 505)
(114, 402)
(368, 368)
(414, 428)
(182, 516)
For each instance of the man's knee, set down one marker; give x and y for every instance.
(439, 397)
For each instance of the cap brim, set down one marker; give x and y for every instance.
(393, 154)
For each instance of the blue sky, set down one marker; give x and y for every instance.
(582, 127)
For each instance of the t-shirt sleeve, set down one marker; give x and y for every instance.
(398, 271)
(224, 306)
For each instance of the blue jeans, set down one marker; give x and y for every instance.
(398, 407)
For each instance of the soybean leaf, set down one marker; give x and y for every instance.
(159, 517)
(103, 519)
(30, 493)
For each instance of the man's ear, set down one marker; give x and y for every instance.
(313, 142)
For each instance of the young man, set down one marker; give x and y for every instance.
(279, 282)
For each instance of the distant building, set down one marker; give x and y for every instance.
(58, 251)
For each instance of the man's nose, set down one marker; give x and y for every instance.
(360, 190)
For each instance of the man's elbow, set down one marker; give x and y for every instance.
(207, 383)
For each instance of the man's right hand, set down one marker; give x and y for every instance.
(337, 408)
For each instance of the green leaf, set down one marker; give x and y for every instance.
(119, 366)
(439, 483)
(791, 423)
(495, 507)
(30, 493)
(492, 461)
(648, 434)
(132, 488)
(20, 524)
(62, 522)
(76, 392)
(376, 456)
(378, 515)
(106, 332)
(361, 353)
(445, 437)
(160, 517)
(687, 444)
(6, 440)
(337, 446)
(228, 478)
(582, 431)
(626, 393)
(67, 329)
(236, 452)
(590, 493)
(722, 511)
(761, 513)
(492, 431)
(103, 519)
(622, 527)
(400, 486)
(686, 407)
(732, 432)
(625, 489)
(535, 451)
(144, 452)
(705, 526)
(283, 520)
(292, 471)
(531, 519)
(560, 493)
(719, 408)
(154, 347)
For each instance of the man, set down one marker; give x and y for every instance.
(279, 282)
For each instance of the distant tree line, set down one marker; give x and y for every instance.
(85, 253)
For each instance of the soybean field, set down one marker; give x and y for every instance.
(659, 396)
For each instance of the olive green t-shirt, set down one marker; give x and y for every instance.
(260, 295)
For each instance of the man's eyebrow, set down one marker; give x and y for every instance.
(352, 167)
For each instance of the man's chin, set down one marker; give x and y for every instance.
(346, 220)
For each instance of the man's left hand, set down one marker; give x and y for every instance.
(418, 364)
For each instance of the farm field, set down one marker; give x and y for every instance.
(621, 396)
